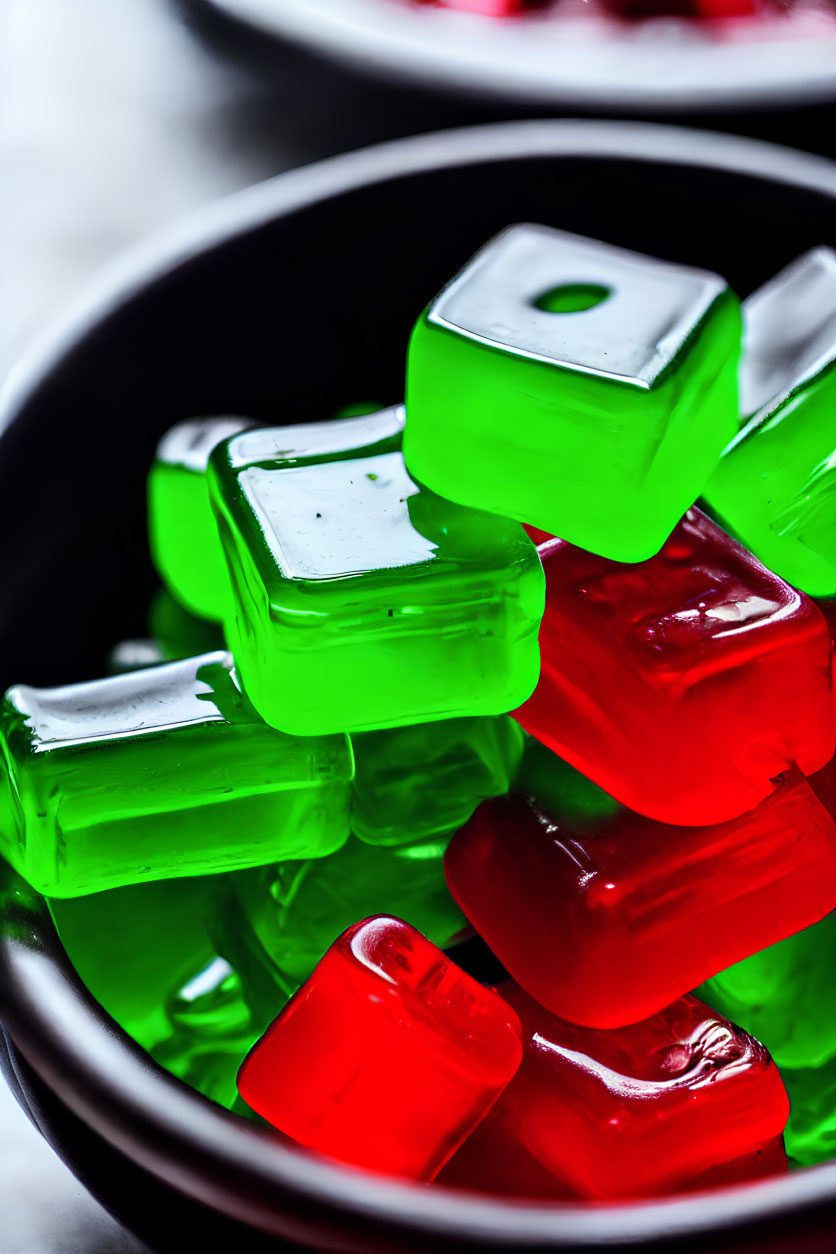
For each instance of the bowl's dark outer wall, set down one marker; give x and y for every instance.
(286, 302)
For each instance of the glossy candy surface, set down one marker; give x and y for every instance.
(581, 388)
(623, 914)
(211, 1028)
(414, 782)
(775, 486)
(639, 1111)
(684, 685)
(361, 600)
(423, 1051)
(182, 529)
(161, 773)
(289, 914)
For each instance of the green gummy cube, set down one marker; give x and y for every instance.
(131, 946)
(810, 1134)
(775, 486)
(182, 531)
(783, 996)
(294, 911)
(411, 783)
(577, 387)
(361, 600)
(181, 527)
(212, 1029)
(160, 773)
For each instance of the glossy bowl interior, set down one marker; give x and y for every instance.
(286, 302)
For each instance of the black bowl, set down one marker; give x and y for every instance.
(289, 300)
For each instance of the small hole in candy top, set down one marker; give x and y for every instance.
(572, 298)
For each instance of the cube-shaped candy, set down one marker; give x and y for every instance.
(362, 601)
(289, 914)
(411, 783)
(783, 995)
(639, 1111)
(493, 1160)
(387, 1057)
(642, 665)
(606, 917)
(157, 774)
(775, 486)
(575, 386)
(182, 530)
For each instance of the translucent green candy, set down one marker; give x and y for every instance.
(294, 911)
(212, 1029)
(362, 601)
(160, 773)
(174, 633)
(810, 1135)
(131, 946)
(182, 531)
(775, 486)
(177, 632)
(414, 782)
(783, 996)
(577, 387)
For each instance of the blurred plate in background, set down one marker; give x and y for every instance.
(573, 53)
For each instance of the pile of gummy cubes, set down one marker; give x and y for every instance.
(609, 754)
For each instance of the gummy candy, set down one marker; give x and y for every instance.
(642, 665)
(361, 600)
(423, 1053)
(575, 386)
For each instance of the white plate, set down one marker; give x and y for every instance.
(573, 56)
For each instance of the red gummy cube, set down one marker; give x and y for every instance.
(683, 685)
(388, 1055)
(605, 916)
(492, 1160)
(684, 1099)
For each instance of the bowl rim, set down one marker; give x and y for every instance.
(521, 59)
(178, 1136)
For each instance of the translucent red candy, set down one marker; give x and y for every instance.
(823, 784)
(387, 1056)
(683, 1099)
(683, 685)
(606, 918)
